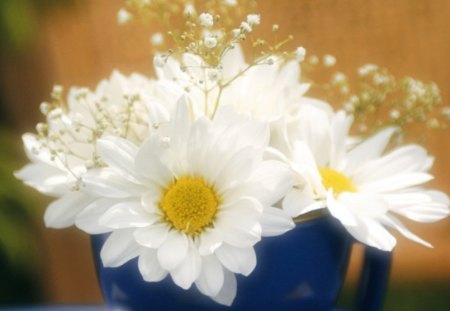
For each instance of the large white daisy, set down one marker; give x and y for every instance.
(191, 204)
(362, 187)
(65, 149)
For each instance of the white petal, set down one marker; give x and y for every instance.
(118, 153)
(32, 144)
(88, 219)
(149, 164)
(150, 199)
(237, 260)
(340, 211)
(364, 204)
(298, 202)
(119, 248)
(402, 161)
(243, 213)
(370, 149)
(198, 138)
(193, 65)
(372, 233)
(276, 180)
(396, 224)
(149, 266)
(180, 126)
(239, 237)
(209, 241)
(236, 168)
(275, 222)
(106, 182)
(62, 212)
(45, 178)
(228, 292)
(152, 236)
(424, 206)
(240, 229)
(233, 61)
(211, 278)
(127, 214)
(396, 182)
(186, 273)
(316, 132)
(234, 125)
(173, 251)
(340, 127)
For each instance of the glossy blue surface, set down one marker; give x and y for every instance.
(57, 308)
(374, 280)
(301, 270)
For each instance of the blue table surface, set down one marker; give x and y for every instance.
(56, 308)
(70, 308)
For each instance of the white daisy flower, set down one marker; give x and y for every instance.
(264, 92)
(360, 186)
(191, 204)
(60, 156)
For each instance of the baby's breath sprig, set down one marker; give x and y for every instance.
(376, 98)
(183, 20)
(381, 100)
(64, 132)
(208, 29)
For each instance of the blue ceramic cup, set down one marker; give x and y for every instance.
(303, 269)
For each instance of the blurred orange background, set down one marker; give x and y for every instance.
(81, 43)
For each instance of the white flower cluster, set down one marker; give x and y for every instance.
(188, 171)
(190, 175)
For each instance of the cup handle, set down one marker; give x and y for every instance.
(373, 280)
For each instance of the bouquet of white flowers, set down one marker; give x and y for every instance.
(188, 170)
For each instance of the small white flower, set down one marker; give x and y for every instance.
(57, 89)
(157, 39)
(367, 69)
(300, 53)
(394, 114)
(246, 27)
(210, 42)
(349, 107)
(271, 60)
(446, 112)
(314, 60)
(189, 10)
(236, 32)
(380, 79)
(206, 20)
(329, 60)
(253, 19)
(44, 108)
(230, 2)
(193, 207)
(339, 77)
(123, 16)
(159, 61)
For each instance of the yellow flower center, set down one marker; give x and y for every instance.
(190, 204)
(332, 179)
